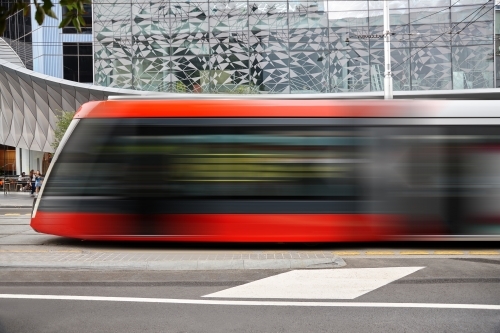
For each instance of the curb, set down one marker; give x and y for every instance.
(183, 265)
(14, 206)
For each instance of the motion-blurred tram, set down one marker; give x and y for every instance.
(277, 169)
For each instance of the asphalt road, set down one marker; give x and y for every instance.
(439, 281)
(392, 287)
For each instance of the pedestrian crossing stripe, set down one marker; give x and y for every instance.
(347, 283)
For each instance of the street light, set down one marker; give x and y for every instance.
(387, 52)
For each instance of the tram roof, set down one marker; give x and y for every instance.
(291, 106)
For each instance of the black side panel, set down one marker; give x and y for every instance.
(207, 166)
(159, 206)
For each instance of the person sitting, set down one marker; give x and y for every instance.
(21, 177)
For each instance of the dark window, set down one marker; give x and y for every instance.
(77, 62)
(87, 17)
(132, 158)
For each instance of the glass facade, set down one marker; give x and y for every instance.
(18, 34)
(497, 42)
(292, 46)
(46, 48)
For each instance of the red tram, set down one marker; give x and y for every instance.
(278, 169)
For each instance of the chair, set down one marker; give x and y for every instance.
(6, 186)
(19, 187)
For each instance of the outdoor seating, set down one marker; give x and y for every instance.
(6, 186)
(12, 184)
(21, 184)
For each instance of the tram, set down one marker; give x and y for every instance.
(276, 169)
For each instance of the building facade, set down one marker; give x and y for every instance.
(292, 46)
(33, 60)
(497, 43)
(46, 49)
(238, 47)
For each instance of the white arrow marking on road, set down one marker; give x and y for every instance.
(318, 283)
(253, 303)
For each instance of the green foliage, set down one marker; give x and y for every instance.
(244, 89)
(180, 87)
(44, 8)
(63, 121)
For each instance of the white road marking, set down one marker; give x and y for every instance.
(254, 303)
(346, 283)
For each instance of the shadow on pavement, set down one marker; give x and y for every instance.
(436, 245)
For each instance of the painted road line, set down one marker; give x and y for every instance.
(484, 253)
(25, 251)
(448, 252)
(318, 283)
(12, 214)
(41, 251)
(346, 253)
(414, 252)
(379, 253)
(66, 251)
(254, 303)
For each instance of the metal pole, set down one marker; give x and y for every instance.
(387, 52)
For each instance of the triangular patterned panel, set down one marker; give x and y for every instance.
(81, 96)
(5, 90)
(42, 104)
(42, 138)
(17, 122)
(28, 95)
(15, 90)
(48, 148)
(10, 141)
(6, 110)
(30, 121)
(52, 121)
(54, 96)
(42, 121)
(25, 82)
(68, 98)
(50, 138)
(22, 143)
(4, 128)
(12, 79)
(28, 134)
(96, 96)
(35, 144)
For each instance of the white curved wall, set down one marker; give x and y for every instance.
(29, 103)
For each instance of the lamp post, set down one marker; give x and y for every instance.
(387, 52)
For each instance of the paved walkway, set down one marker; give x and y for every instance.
(94, 258)
(16, 200)
(165, 260)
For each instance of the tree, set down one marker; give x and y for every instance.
(44, 8)
(62, 124)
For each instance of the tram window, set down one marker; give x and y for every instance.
(257, 162)
(105, 157)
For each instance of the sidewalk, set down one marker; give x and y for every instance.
(16, 200)
(168, 259)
